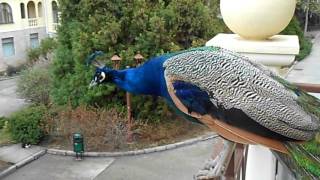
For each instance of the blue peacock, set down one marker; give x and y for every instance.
(240, 100)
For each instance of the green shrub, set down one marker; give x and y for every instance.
(47, 45)
(33, 55)
(34, 84)
(12, 70)
(294, 28)
(25, 126)
(124, 27)
(305, 48)
(2, 122)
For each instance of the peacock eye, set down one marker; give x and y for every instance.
(102, 76)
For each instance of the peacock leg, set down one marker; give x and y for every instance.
(214, 167)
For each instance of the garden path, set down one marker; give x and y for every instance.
(9, 100)
(308, 70)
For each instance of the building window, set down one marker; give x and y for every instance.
(39, 9)
(34, 40)
(22, 10)
(8, 47)
(5, 14)
(31, 10)
(55, 12)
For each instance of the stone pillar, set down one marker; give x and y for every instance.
(275, 52)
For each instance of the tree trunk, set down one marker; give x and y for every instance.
(306, 18)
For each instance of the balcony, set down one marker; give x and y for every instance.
(33, 22)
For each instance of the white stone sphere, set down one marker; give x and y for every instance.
(257, 19)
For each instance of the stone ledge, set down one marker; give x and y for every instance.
(136, 152)
(278, 44)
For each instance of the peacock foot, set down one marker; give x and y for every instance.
(211, 170)
(214, 167)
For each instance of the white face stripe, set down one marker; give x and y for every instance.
(103, 74)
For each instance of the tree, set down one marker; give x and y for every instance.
(309, 6)
(123, 28)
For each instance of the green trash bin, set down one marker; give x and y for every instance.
(78, 145)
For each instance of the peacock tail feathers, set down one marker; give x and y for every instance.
(305, 157)
(92, 57)
(304, 161)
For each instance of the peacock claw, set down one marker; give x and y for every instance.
(214, 168)
(210, 163)
(211, 170)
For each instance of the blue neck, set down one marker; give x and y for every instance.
(147, 79)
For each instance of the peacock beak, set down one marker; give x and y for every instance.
(92, 83)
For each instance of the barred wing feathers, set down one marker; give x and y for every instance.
(236, 85)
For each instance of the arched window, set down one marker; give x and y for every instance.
(31, 9)
(22, 10)
(5, 14)
(55, 12)
(39, 9)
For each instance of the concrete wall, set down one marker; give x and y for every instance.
(50, 25)
(21, 44)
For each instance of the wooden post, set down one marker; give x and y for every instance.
(230, 174)
(138, 58)
(116, 65)
(116, 61)
(130, 123)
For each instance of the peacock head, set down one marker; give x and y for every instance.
(103, 74)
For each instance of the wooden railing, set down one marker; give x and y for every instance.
(313, 88)
(235, 163)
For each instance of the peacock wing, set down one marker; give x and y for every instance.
(239, 89)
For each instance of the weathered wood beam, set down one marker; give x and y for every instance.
(313, 88)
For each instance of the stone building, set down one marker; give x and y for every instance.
(23, 23)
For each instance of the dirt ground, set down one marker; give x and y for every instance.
(4, 165)
(144, 136)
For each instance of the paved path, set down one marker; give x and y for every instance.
(9, 101)
(14, 153)
(50, 167)
(177, 164)
(308, 70)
